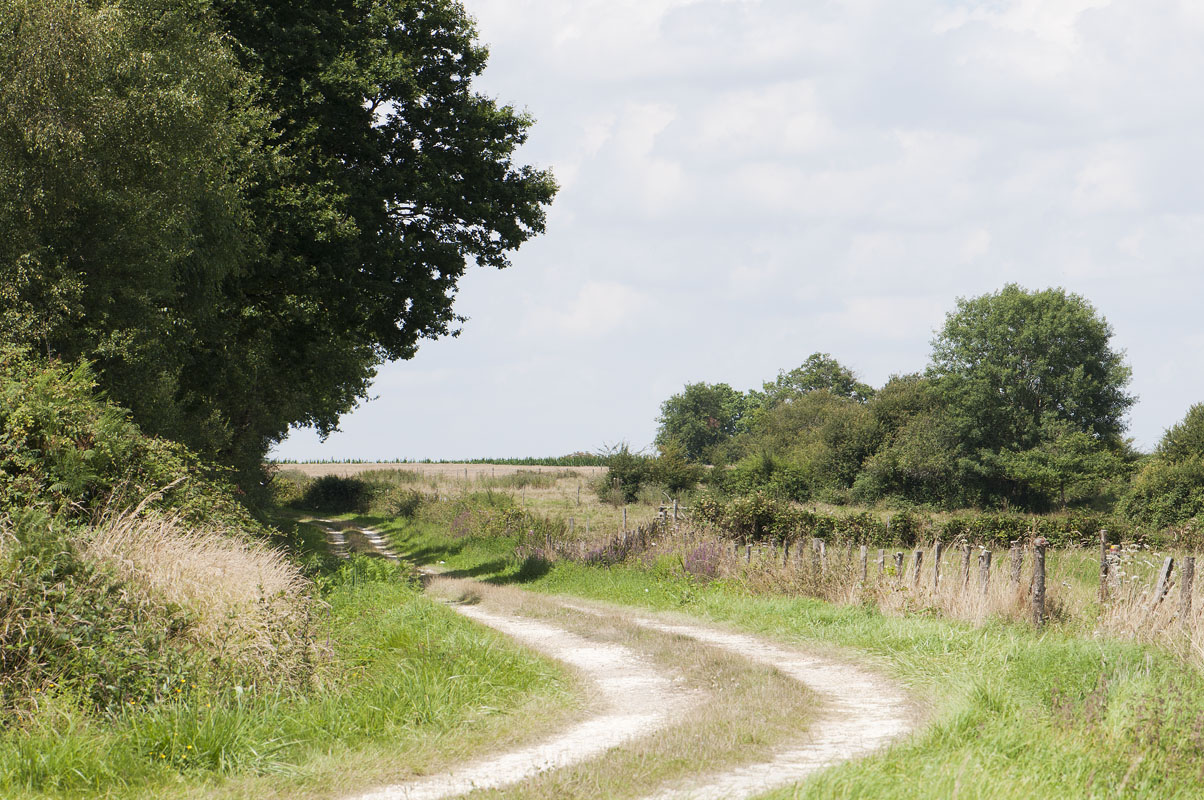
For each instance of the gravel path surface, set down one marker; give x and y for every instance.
(861, 710)
(638, 699)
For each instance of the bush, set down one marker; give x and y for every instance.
(770, 474)
(66, 451)
(625, 472)
(671, 470)
(1166, 493)
(66, 623)
(332, 494)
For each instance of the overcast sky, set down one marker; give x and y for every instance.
(746, 182)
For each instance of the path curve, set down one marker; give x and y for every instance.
(638, 699)
(861, 712)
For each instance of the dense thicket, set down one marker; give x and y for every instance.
(237, 210)
(1023, 406)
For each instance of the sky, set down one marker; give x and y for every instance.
(747, 182)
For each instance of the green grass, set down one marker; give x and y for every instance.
(405, 684)
(1012, 712)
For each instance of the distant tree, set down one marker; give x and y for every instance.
(1014, 365)
(1067, 466)
(1168, 489)
(819, 371)
(700, 418)
(1186, 439)
(919, 451)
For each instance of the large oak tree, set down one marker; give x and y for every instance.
(239, 209)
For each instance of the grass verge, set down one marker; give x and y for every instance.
(403, 685)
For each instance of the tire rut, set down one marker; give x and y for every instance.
(637, 699)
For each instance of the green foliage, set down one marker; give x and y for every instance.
(64, 449)
(67, 626)
(819, 371)
(236, 210)
(760, 516)
(815, 444)
(917, 459)
(774, 475)
(673, 471)
(1168, 489)
(127, 135)
(625, 472)
(701, 418)
(1067, 466)
(1014, 366)
(1165, 493)
(333, 494)
(1186, 439)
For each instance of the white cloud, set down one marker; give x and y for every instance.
(598, 309)
(747, 182)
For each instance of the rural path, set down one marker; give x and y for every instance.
(637, 699)
(860, 711)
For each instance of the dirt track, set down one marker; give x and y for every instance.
(861, 711)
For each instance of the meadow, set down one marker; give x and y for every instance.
(1099, 701)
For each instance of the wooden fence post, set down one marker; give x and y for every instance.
(823, 557)
(881, 561)
(1039, 581)
(1187, 574)
(786, 553)
(865, 566)
(984, 569)
(1164, 579)
(898, 567)
(624, 517)
(1016, 555)
(1103, 568)
(915, 578)
(748, 552)
(965, 565)
(937, 547)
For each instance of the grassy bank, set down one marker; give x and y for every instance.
(1014, 711)
(401, 685)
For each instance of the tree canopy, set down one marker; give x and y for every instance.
(1019, 372)
(819, 371)
(1023, 405)
(699, 418)
(237, 210)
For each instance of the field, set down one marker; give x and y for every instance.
(554, 654)
(1096, 702)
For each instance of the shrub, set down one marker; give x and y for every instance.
(1166, 493)
(671, 470)
(68, 452)
(625, 471)
(69, 624)
(333, 494)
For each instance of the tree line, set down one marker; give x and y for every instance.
(1022, 406)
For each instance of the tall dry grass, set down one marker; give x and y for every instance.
(247, 605)
(835, 575)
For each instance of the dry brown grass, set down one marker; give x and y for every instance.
(247, 604)
(1071, 584)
